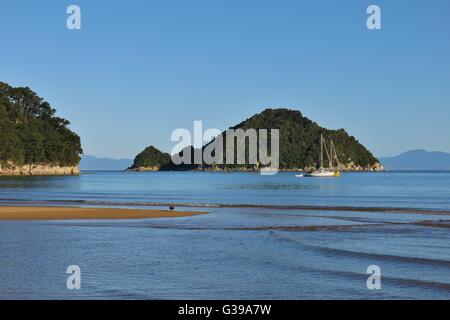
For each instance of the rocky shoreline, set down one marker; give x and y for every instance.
(38, 170)
(143, 169)
(349, 167)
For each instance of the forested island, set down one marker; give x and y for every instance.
(33, 140)
(299, 146)
(151, 159)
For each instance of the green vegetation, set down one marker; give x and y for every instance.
(300, 139)
(151, 157)
(30, 133)
(299, 144)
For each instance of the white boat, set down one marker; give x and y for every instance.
(322, 171)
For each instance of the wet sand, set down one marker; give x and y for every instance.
(73, 213)
(380, 209)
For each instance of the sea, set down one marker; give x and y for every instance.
(264, 237)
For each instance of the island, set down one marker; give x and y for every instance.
(299, 147)
(151, 159)
(33, 140)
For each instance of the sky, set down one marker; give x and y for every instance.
(137, 70)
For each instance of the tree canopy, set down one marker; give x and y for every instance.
(31, 133)
(151, 157)
(299, 144)
(300, 139)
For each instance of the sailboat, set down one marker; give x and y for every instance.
(330, 171)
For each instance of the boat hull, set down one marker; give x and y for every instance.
(323, 174)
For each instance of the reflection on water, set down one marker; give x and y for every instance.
(233, 252)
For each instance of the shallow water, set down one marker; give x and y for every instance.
(233, 252)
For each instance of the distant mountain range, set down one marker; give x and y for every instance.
(94, 163)
(418, 160)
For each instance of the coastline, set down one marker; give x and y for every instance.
(376, 168)
(38, 170)
(113, 205)
(29, 213)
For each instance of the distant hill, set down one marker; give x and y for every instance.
(299, 144)
(300, 140)
(95, 163)
(418, 160)
(150, 159)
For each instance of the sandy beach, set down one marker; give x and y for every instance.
(74, 213)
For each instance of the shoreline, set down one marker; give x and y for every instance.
(144, 169)
(38, 170)
(30, 213)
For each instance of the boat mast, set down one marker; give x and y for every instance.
(328, 154)
(321, 151)
(335, 154)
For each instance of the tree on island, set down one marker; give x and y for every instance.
(149, 158)
(30, 133)
(299, 145)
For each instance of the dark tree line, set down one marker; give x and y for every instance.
(30, 133)
(151, 157)
(299, 144)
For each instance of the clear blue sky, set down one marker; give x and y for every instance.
(139, 69)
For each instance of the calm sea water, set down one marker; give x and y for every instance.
(231, 253)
